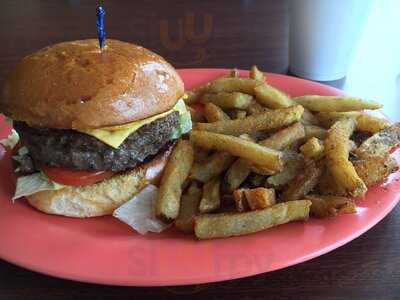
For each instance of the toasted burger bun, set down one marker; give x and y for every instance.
(101, 198)
(74, 85)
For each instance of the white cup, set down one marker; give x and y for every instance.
(323, 35)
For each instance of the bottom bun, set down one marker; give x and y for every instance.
(101, 198)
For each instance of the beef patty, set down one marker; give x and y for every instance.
(74, 150)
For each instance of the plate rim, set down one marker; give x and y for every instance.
(169, 282)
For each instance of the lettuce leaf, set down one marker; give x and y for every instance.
(11, 140)
(36, 182)
(139, 212)
(185, 121)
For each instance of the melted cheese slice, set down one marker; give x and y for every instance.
(115, 135)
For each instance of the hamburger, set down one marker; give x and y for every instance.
(95, 126)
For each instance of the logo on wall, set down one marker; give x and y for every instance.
(187, 36)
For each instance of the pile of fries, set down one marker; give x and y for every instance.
(257, 158)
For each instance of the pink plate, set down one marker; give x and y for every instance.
(103, 250)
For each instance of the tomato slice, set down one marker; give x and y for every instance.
(75, 178)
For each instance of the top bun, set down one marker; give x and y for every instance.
(74, 85)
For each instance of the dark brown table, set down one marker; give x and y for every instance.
(224, 33)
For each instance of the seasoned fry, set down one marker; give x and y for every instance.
(228, 100)
(236, 174)
(271, 97)
(365, 122)
(260, 198)
(255, 108)
(214, 166)
(263, 121)
(256, 74)
(303, 182)
(237, 114)
(188, 209)
(200, 154)
(352, 146)
(195, 95)
(246, 137)
(373, 169)
(380, 143)
(251, 151)
(327, 119)
(315, 131)
(260, 170)
(175, 173)
(371, 124)
(285, 137)
(308, 118)
(330, 206)
(335, 103)
(196, 115)
(243, 85)
(240, 200)
(210, 201)
(290, 170)
(213, 113)
(337, 157)
(327, 185)
(234, 224)
(313, 148)
(278, 141)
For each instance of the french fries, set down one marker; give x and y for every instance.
(212, 167)
(200, 155)
(291, 169)
(240, 200)
(195, 114)
(313, 148)
(285, 137)
(237, 114)
(212, 226)
(255, 108)
(335, 103)
(242, 85)
(175, 172)
(315, 131)
(271, 97)
(380, 143)
(251, 151)
(365, 122)
(304, 182)
(337, 157)
(328, 186)
(227, 100)
(213, 113)
(330, 206)
(373, 169)
(308, 118)
(210, 201)
(253, 147)
(256, 74)
(260, 198)
(263, 121)
(188, 209)
(371, 124)
(327, 119)
(237, 174)
(194, 95)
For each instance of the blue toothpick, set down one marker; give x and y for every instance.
(101, 34)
